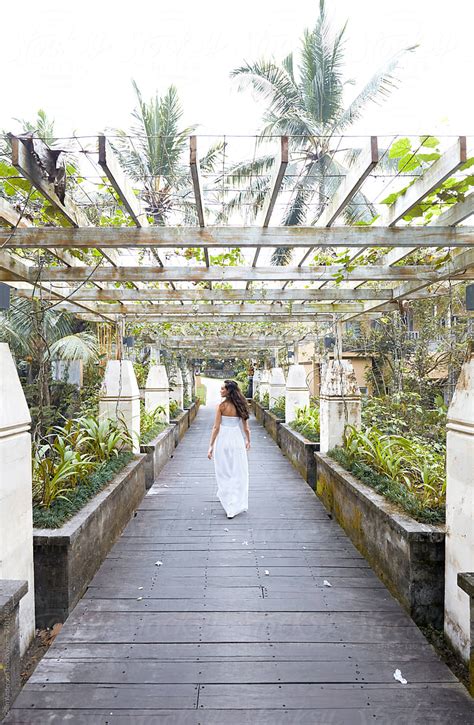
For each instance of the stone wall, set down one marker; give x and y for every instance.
(300, 451)
(408, 556)
(11, 593)
(67, 558)
(158, 452)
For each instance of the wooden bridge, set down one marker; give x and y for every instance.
(269, 618)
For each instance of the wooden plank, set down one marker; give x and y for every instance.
(234, 295)
(112, 169)
(196, 179)
(227, 274)
(455, 214)
(212, 237)
(223, 309)
(11, 216)
(439, 171)
(194, 645)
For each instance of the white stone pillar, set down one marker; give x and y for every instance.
(257, 377)
(176, 393)
(297, 392)
(187, 382)
(157, 391)
(277, 385)
(120, 398)
(16, 508)
(340, 403)
(460, 509)
(265, 383)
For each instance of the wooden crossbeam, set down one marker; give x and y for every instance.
(206, 310)
(231, 318)
(234, 295)
(16, 270)
(196, 179)
(455, 214)
(11, 216)
(113, 171)
(108, 238)
(224, 274)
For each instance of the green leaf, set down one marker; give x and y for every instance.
(430, 142)
(400, 148)
(428, 157)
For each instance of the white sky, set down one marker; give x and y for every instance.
(76, 60)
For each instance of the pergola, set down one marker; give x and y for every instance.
(125, 285)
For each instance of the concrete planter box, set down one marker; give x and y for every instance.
(158, 451)
(259, 412)
(66, 559)
(193, 411)
(300, 452)
(408, 556)
(181, 425)
(272, 425)
(11, 592)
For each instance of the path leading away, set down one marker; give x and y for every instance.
(194, 618)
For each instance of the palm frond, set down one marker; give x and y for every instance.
(272, 82)
(81, 346)
(379, 87)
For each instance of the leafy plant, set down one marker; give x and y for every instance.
(104, 438)
(307, 423)
(265, 401)
(151, 423)
(415, 465)
(279, 408)
(175, 410)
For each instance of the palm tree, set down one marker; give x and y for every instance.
(153, 154)
(305, 102)
(38, 335)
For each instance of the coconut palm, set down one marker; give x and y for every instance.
(154, 154)
(306, 102)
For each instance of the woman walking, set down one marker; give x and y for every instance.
(230, 456)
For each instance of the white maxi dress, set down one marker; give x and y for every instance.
(231, 467)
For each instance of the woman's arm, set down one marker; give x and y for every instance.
(215, 431)
(245, 425)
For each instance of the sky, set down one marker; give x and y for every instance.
(76, 60)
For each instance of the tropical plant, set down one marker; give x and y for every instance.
(306, 102)
(151, 422)
(265, 400)
(38, 335)
(306, 422)
(102, 439)
(156, 158)
(278, 408)
(56, 470)
(418, 467)
(175, 410)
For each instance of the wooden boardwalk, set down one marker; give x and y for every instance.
(236, 625)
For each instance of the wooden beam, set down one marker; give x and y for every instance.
(224, 274)
(212, 237)
(439, 171)
(15, 270)
(23, 160)
(206, 309)
(113, 171)
(11, 216)
(196, 179)
(234, 295)
(455, 214)
(183, 319)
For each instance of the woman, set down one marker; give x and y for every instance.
(230, 457)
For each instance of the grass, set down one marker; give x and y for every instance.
(395, 492)
(63, 509)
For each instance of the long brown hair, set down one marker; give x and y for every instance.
(236, 397)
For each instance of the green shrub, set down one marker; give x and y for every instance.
(404, 414)
(265, 401)
(279, 408)
(307, 423)
(70, 453)
(394, 491)
(175, 410)
(62, 508)
(151, 423)
(418, 467)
